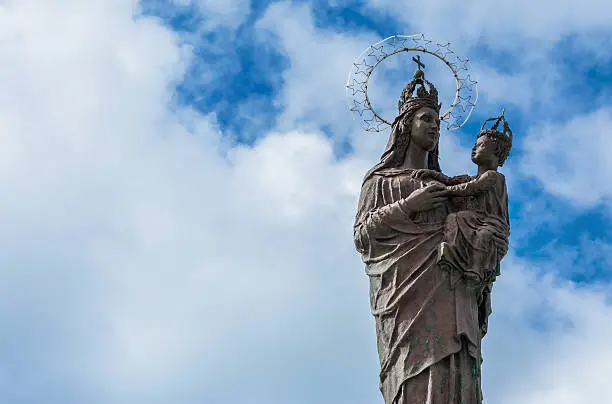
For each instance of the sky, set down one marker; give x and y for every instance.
(180, 179)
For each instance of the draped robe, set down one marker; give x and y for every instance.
(428, 331)
(469, 243)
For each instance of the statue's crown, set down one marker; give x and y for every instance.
(503, 135)
(418, 83)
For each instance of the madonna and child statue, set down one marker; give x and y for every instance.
(432, 246)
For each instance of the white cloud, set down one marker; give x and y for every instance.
(144, 260)
(570, 159)
(507, 25)
(229, 13)
(547, 341)
(516, 48)
(516, 89)
(313, 94)
(134, 248)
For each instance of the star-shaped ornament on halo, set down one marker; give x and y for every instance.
(466, 92)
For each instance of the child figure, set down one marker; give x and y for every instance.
(469, 247)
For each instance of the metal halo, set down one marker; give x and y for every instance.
(466, 94)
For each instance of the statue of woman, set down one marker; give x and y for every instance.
(428, 328)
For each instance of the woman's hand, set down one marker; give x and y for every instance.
(425, 198)
(426, 174)
(422, 173)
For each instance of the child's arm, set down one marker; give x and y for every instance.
(426, 174)
(459, 179)
(475, 186)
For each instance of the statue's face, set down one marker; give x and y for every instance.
(484, 151)
(425, 131)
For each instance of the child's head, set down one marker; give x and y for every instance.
(493, 146)
(491, 149)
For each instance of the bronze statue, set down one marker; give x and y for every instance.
(432, 247)
(470, 247)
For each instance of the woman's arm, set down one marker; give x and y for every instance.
(375, 222)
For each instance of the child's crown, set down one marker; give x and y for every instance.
(494, 129)
(503, 137)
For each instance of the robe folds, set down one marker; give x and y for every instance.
(429, 327)
(469, 234)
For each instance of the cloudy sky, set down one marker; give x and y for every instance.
(179, 182)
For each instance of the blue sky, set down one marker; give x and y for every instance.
(180, 180)
(250, 71)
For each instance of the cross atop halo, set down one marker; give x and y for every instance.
(417, 60)
(466, 92)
